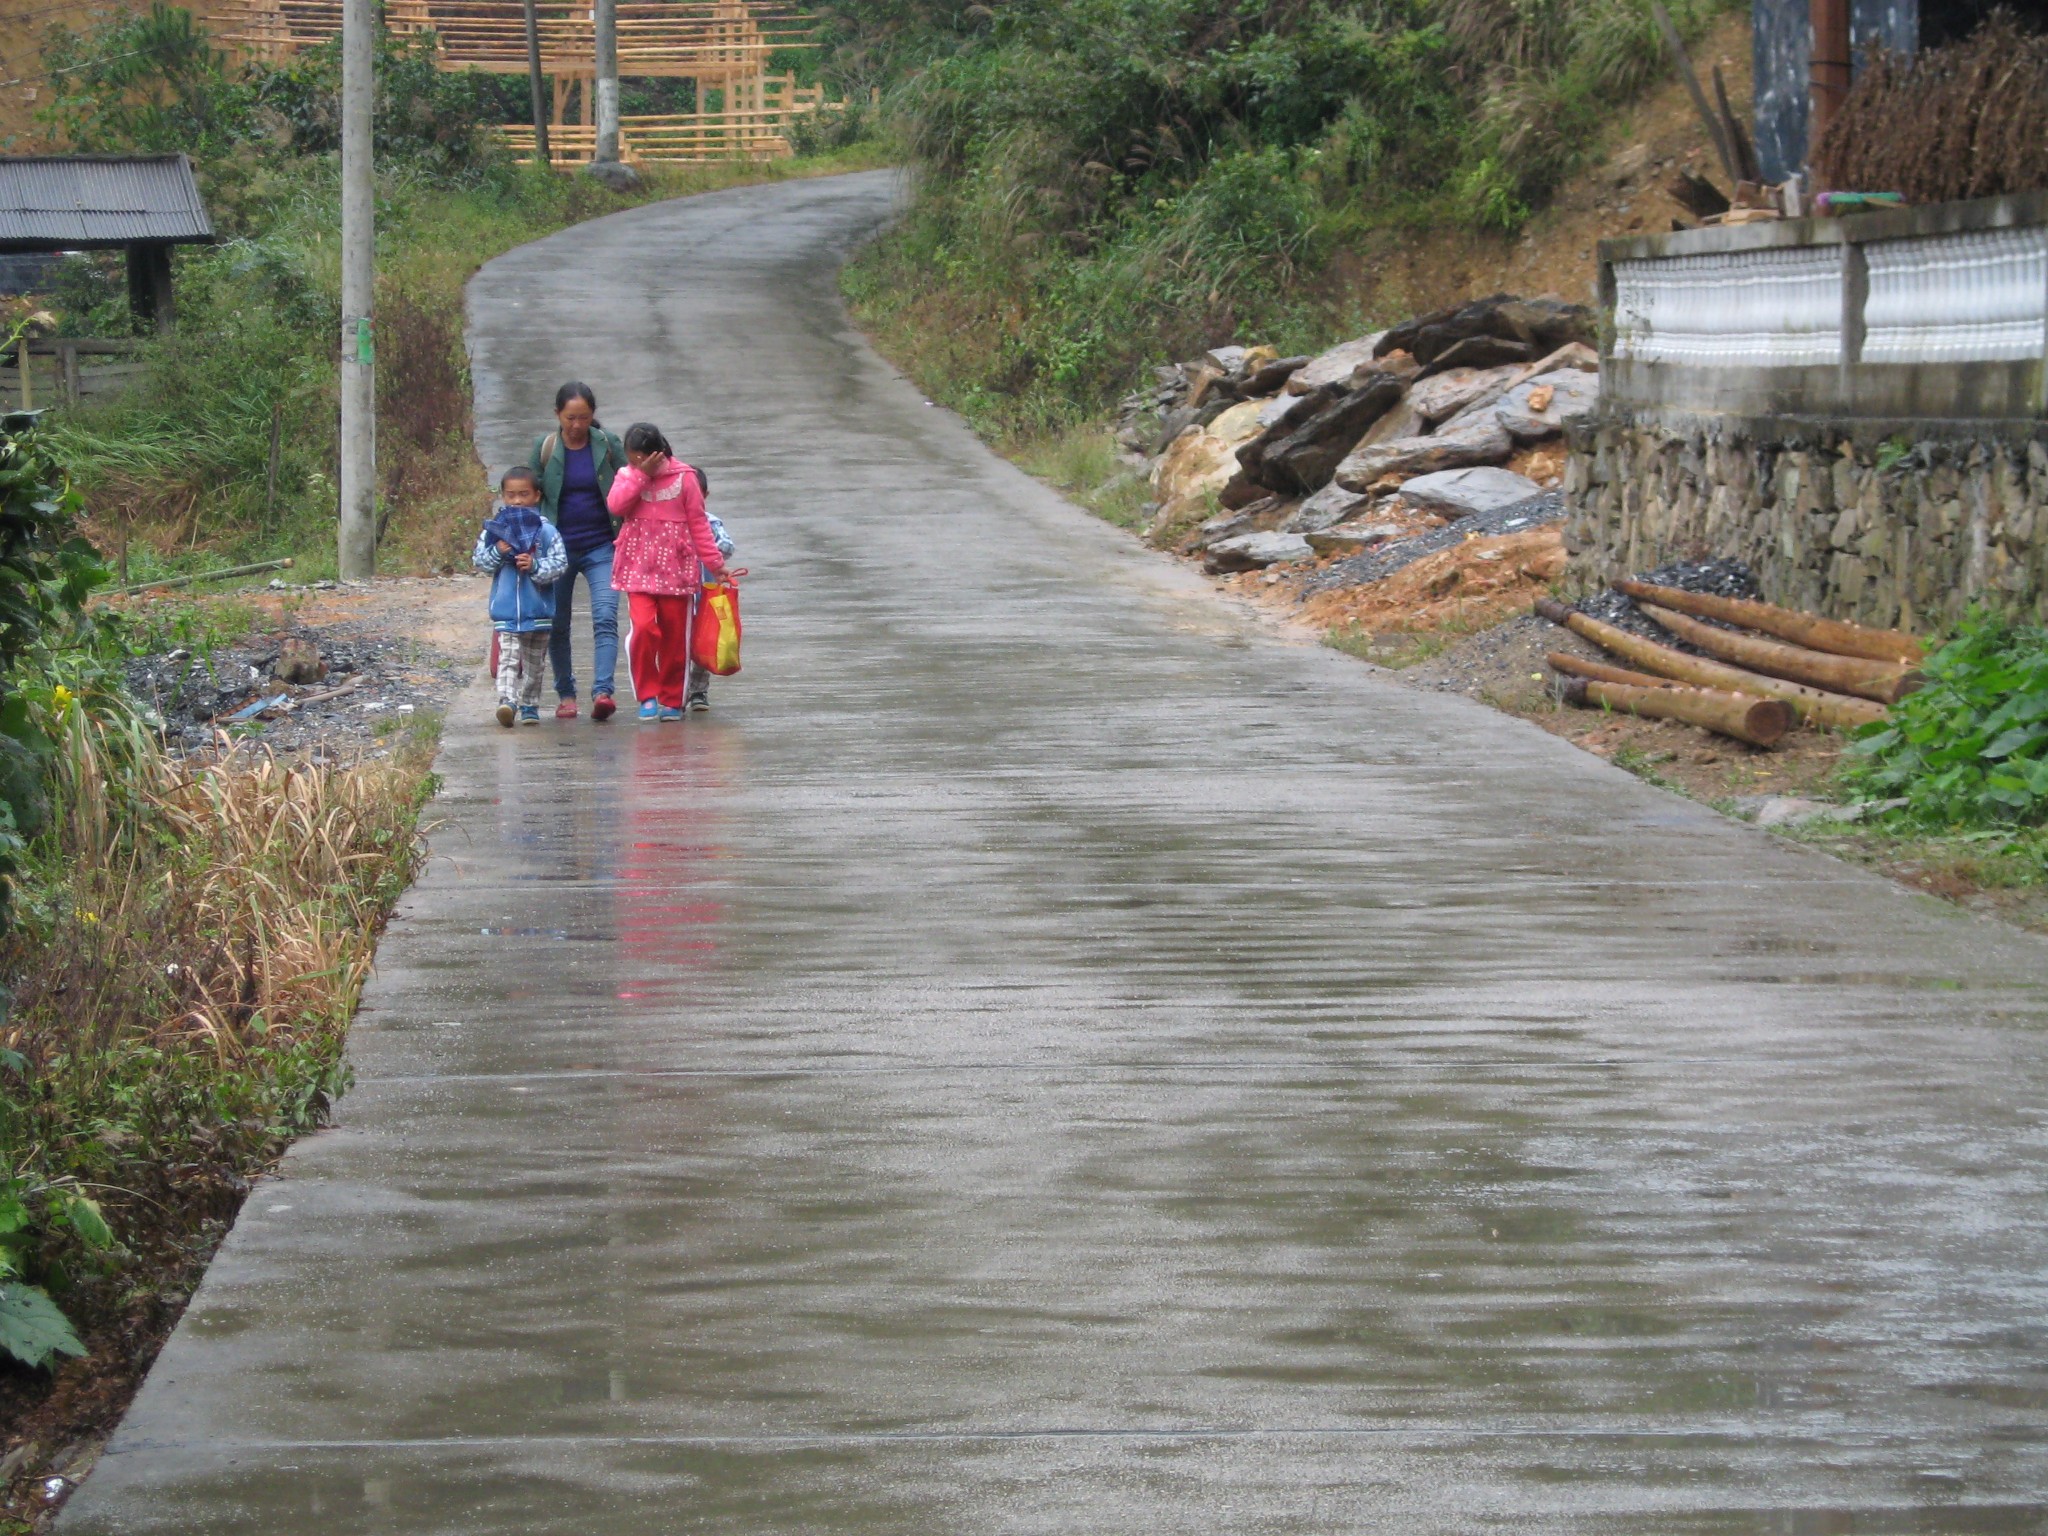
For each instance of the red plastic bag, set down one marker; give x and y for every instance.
(715, 636)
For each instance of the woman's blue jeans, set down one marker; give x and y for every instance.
(595, 567)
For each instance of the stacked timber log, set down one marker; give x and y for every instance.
(1753, 681)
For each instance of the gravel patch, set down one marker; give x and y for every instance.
(1382, 561)
(373, 686)
(1722, 578)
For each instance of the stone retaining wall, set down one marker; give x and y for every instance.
(1957, 513)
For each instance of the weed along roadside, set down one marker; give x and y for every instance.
(185, 939)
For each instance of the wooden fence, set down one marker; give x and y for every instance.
(66, 370)
(683, 136)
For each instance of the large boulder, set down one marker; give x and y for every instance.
(1327, 508)
(1293, 408)
(1255, 551)
(1350, 538)
(1538, 324)
(1334, 366)
(1224, 525)
(1308, 455)
(1241, 490)
(1541, 407)
(1480, 352)
(1444, 395)
(1268, 377)
(1278, 418)
(1402, 420)
(1472, 439)
(1542, 323)
(1459, 493)
(1199, 462)
(1224, 373)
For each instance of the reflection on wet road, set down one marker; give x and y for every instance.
(1044, 1055)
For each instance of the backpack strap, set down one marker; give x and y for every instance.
(547, 451)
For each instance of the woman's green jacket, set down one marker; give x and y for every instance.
(608, 457)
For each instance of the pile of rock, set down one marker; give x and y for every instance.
(1305, 455)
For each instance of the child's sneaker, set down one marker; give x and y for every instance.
(507, 714)
(649, 710)
(602, 708)
(697, 703)
(529, 714)
(670, 712)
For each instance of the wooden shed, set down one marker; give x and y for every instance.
(143, 204)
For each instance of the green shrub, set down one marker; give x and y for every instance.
(1971, 747)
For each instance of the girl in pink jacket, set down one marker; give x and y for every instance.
(664, 548)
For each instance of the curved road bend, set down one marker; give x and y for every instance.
(1045, 1056)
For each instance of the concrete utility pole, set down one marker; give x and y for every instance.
(540, 111)
(605, 18)
(358, 541)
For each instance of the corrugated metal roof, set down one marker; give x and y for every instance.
(62, 202)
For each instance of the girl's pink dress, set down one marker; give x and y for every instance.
(666, 541)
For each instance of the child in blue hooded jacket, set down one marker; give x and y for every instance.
(524, 555)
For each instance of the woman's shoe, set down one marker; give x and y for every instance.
(566, 710)
(669, 712)
(602, 708)
(507, 714)
(649, 710)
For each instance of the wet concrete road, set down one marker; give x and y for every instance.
(1045, 1056)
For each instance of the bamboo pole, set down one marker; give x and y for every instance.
(1760, 722)
(1885, 681)
(185, 581)
(1787, 624)
(1814, 704)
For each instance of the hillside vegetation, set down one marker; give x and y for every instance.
(1105, 183)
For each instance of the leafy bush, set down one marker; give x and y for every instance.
(1971, 747)
(45, 574)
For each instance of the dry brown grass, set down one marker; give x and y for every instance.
(221, 905)
(1967, 120)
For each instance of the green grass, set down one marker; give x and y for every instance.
(1396, 649)
(1644, 764)
(1083, 464)
(199, 624)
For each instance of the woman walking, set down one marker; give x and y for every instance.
(578, 462)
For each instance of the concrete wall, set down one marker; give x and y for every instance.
(1938, 312)
(1854, 407)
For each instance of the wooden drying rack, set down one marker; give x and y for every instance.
(721, 46)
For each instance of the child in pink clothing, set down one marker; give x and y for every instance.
(664, 547)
